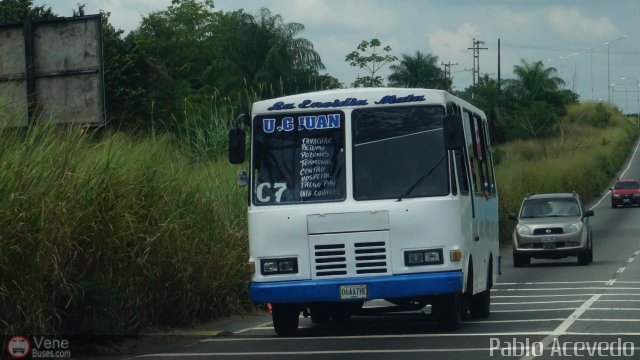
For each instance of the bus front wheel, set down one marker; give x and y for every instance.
(285, 319)
(449, 311)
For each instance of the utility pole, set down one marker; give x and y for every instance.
(499, 88)
(447, 69)
(476, 59)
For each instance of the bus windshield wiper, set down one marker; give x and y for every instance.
(420, 180)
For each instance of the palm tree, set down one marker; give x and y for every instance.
(538, 98)
(285, 59)
(419, 70)
(535, 82)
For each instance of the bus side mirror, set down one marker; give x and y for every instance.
(236, 146)
(453, 132)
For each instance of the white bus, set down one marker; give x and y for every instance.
(369, 193)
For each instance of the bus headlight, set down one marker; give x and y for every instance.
(423, 257)
(279, 266)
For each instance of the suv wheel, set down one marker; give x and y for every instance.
(583, 257)
(520, 260)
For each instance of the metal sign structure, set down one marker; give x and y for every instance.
(52, 70)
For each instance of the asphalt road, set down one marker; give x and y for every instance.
(550, 309)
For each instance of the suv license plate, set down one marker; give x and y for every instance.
(353, 291)
(548, 242)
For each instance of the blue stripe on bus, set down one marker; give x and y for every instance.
(381, 287)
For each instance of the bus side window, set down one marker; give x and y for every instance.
(488, 161)
(461, 172)
(473, 151)
(485, 163)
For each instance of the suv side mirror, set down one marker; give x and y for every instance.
(588, 213)
(512, 216)
(453, 132)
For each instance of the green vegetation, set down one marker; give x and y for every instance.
(582, 158)
(371, 57)
(112, 234)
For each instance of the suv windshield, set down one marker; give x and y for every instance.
(626, 185)
(393, 148)
(549, 207)
(298, 158)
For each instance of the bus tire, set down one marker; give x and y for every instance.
(320, 314)
(481, 302)
(285, 319)
(449, 311)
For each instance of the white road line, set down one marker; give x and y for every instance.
(610, 282)
(630, 260)
(320, 352)
(512, 321)
(561, 295)
(608, 320)
(252, 328)
(578, 288)
(536, 302)
(553, 282)
(621, 270)
(566, 324)
(532, 310)
(387, 336)
(615, 309)
(604, 334)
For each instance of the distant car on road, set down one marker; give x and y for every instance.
(552, 226)
(625, 192)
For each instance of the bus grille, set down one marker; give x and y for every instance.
(349, 259)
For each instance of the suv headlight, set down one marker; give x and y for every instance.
(523, 230)
(616, 195)
(574, 228)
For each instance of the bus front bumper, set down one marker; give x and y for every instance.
(380, 287)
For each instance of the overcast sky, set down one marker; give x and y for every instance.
(570, 35)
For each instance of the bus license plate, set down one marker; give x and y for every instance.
(353, 291)
(549, 242)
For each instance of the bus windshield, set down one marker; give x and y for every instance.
(393, 148)
(298, 159)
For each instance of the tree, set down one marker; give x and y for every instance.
(180, 39)
(535, 82)
(287, 60)
(487, 96)
(371, 57)
(420, 71)
(15, 11)
(537, 99)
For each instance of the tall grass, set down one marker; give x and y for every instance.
(115, 234)
(585, 162)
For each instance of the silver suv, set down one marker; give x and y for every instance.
(552, 226)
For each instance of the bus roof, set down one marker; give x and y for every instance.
(355, 98)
